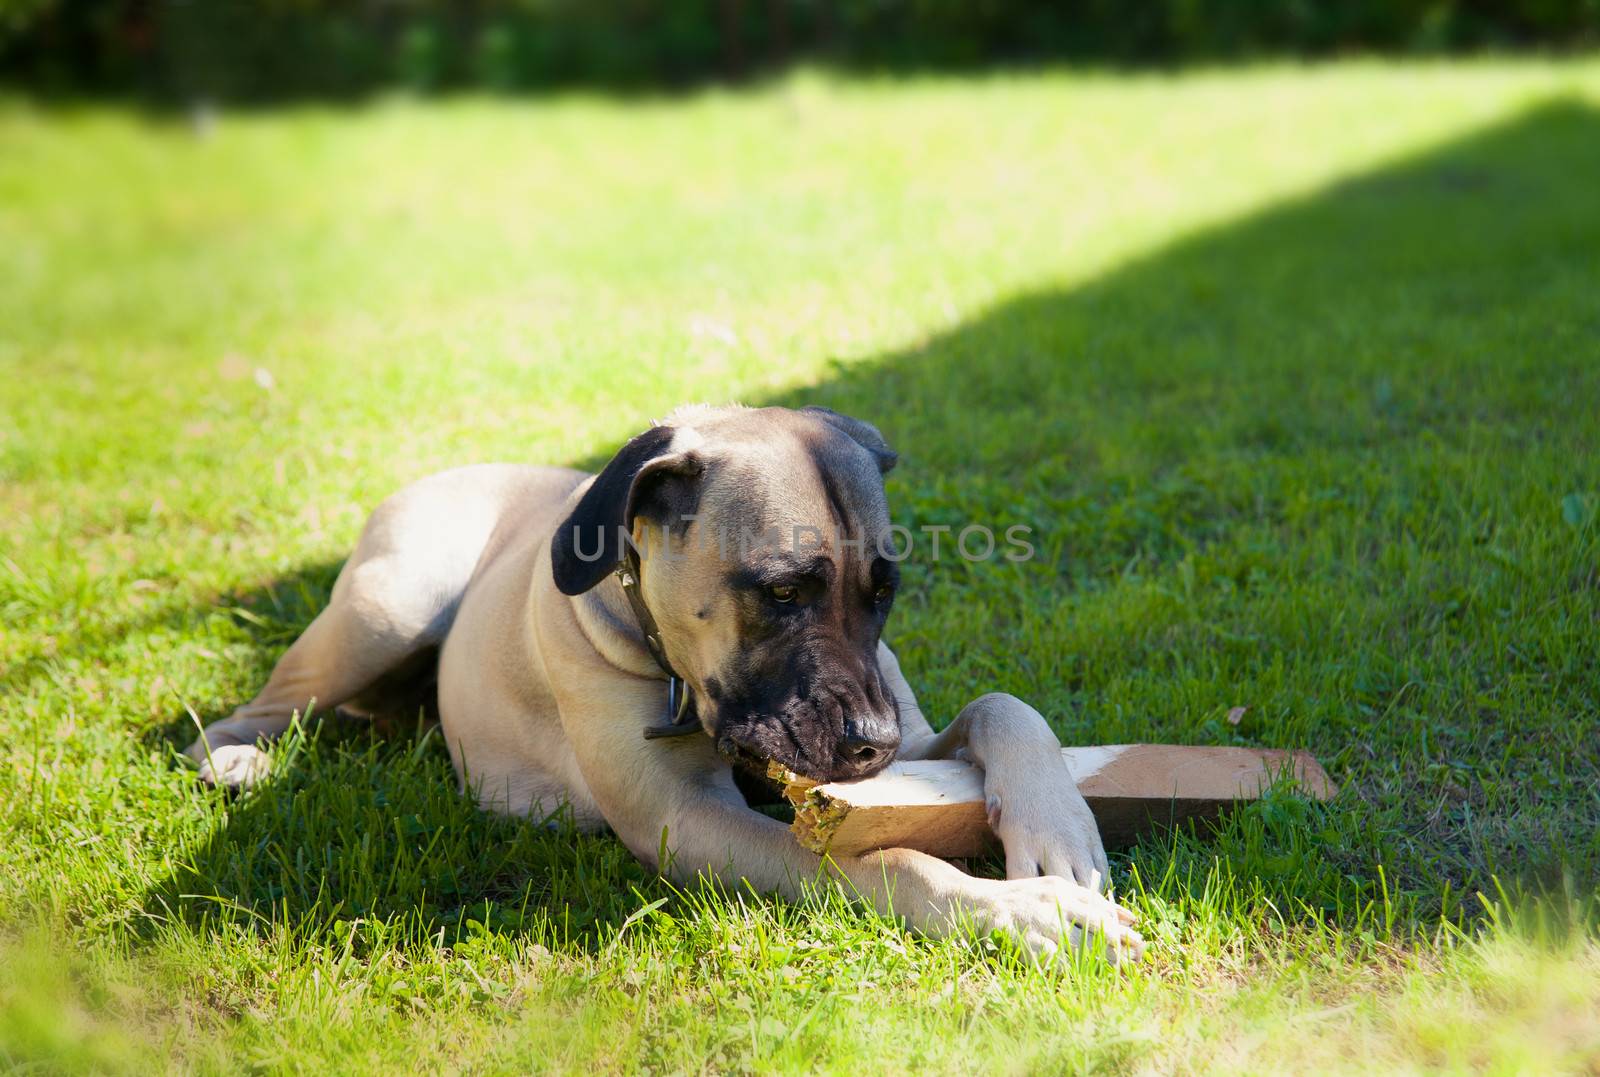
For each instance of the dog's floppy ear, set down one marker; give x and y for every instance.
(588, 544)
(862, 433)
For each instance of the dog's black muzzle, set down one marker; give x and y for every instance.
(830, 733)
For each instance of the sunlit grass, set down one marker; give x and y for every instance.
(1293, 371)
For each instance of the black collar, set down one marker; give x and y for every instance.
(681, 718)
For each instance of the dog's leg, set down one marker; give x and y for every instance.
(1034, 805)
(691, 810)
(354, 641)
(395, 597)
(719, 835)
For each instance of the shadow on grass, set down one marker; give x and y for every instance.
(1335, 463)
(1320, 464)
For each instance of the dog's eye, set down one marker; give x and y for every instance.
(784, 593)
(884, 592)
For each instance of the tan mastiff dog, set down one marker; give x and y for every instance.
(566, 652)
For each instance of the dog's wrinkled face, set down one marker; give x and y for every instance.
(768, 565)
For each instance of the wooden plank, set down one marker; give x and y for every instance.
(937, 805)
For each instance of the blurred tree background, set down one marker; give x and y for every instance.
(259, 50)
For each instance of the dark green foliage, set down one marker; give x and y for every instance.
(267, 49)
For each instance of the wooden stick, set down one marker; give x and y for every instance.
(937, 805)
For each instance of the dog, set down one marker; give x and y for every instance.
(571, 651)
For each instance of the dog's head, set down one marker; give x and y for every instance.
(768, 564)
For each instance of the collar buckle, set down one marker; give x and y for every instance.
(680, 710)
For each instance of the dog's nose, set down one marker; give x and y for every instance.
(863, 750)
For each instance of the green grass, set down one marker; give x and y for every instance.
(1295, 373)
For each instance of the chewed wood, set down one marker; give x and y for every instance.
(937, 806)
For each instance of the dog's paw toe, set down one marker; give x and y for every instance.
(236, 766)
(1047, 913)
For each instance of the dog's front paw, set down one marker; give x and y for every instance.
(1046, 827)
(1046, 913)
(236, 766)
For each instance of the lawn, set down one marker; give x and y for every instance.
(1294, 372)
